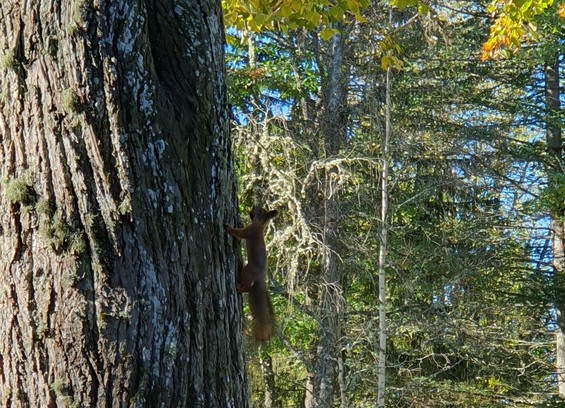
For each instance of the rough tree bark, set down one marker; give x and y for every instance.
(116, 276)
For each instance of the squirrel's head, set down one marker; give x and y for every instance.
(259, 215)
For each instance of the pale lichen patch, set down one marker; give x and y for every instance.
(8, 60)
(19, 190)
(69, 100)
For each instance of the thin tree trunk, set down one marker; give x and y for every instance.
(116, 276)
(381, 365)
(558, 232)
(341, 379)
(270, 399)
(555, 149)
(295, 56)
(331, 307)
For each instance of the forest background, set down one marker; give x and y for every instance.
(413, 150)
(412, 114)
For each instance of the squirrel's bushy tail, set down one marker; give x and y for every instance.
(261, 310)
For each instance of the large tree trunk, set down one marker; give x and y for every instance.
(555, 149)
(116, 276)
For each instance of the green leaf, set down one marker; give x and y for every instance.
(402, 4)
(423, 9)
(326, 33)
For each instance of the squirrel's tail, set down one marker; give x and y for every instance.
(261, 310)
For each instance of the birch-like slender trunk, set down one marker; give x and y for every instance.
(381, 365)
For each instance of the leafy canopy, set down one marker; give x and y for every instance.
(284, 15)
(514, 22)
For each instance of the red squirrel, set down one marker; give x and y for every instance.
(252, 277)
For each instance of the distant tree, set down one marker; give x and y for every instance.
(554, 200)
(469, 297)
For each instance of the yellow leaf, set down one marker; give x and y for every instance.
(391, 61)
(561, 10)
(385, 62)
(231, 39)
(353, 6)
(360, 18)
